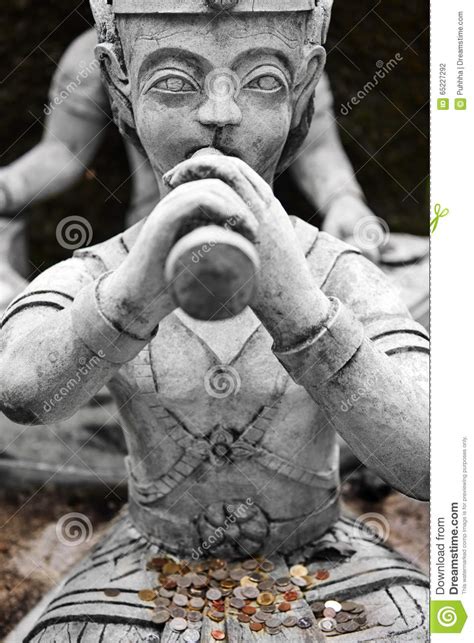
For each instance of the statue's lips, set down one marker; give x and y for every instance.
(226, 151)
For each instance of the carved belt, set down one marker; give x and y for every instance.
(222, 447)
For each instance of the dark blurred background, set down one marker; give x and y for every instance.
(386, 136)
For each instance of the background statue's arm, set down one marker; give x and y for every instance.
(369, 373)
(76, 117)
(322, 169)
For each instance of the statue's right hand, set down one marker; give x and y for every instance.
(141, 277)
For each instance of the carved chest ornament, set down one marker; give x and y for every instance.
(204, 6)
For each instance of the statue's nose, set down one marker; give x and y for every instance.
(220, 111)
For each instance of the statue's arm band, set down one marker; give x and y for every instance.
(100, 334)
(317, 360)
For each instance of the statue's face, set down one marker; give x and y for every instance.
(227, 82)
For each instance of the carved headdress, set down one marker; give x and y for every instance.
(105, 14)
(105, 10)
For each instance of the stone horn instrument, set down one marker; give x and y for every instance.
(212, 271)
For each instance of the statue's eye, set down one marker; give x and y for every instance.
(265, 83)
(175, 85)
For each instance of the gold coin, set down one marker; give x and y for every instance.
(147, 595)
(246, 581)
(170, 568)
(299, 570)
(265, 598)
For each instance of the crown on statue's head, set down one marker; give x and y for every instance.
(319, 10)
(205, 6)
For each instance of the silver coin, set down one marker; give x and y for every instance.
(180, 600)
(196, 603)
(290, 621)
(385, 621)
(236, 603)
(191, 636)
(213, 594)
(194, 625)
(335, 605)
(273, 621)
(178, 624)
(250, 592)
(327, 624)
(177, 612)
(161, 616)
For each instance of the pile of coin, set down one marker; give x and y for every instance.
(336, 617)
(250, 591)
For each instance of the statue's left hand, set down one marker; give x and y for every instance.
(287, 300)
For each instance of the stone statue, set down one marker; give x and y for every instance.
(244, 411)
(77, 115)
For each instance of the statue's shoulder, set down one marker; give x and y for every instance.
(322, 250)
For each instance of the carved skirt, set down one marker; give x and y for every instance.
(394, 593)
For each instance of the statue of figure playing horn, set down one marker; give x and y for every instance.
(230, 335)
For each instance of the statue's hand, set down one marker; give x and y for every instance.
(287, 299)
(351, 220)
(137, 293)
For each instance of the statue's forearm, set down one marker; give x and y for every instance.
(46, 372)
(47, 169)
(68, 145)
(375, 401)
(322, 169)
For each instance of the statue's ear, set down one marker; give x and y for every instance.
(305, 87)
(118, 86)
